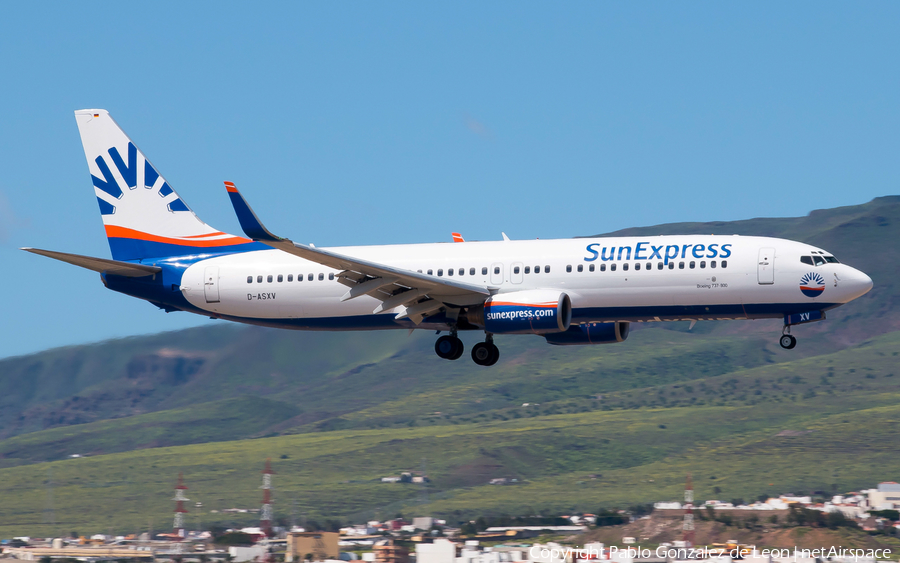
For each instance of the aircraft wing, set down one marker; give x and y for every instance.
(101, 265)
(418, 295)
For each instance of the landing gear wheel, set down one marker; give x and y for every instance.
(485, 354)
(460, 348)
(448, 347)
(787, 341)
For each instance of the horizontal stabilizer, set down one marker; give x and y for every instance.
(101, 265)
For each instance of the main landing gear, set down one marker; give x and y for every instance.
(486, 353)
(450, 347)
(787, 341)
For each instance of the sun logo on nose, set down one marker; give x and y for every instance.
(812, 284)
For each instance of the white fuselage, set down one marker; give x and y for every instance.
(708, 277)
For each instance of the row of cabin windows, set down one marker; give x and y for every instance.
(484, 271)
(537, 270)
(460, 271)
(649, 266)
(290, 277)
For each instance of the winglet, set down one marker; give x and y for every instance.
(250, 223)
(457, 237)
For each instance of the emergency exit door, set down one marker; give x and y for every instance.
(766, 266)
(211, 284)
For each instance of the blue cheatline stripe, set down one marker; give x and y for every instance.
(133, 249)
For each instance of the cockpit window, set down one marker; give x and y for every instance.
(818, 260)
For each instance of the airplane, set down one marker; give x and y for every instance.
(569, 291)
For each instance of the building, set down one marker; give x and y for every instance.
(389, 552)
(241, 554)
(885, 497)
(441, 551)
(319, 545)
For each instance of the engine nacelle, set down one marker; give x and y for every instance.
(590, 333)
(535, 311)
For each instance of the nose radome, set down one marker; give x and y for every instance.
(861, 282)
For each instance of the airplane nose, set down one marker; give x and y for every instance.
(860, 282)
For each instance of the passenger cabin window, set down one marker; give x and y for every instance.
(537, 269)
(269, 279)
(249, 279)
(568, 268)
(659, 266)
(612, 267)
(462, 271)
(496, 269)
(331, 276)
(602, 267)
(321, 277)
(484, 271)
(671, 265)
(712, 264)
(546, 269)
(581, 267)
(440, 272)
(703, 263)
(310, 277)
(280, 278)
(290, 277)
(637, 265)
(258, 279)
(681, 265)
(591, 267)
(527, 269)
(692, 265)
(724, 263)
(449, 271)
(430, 272)
(625, 267)
(471, 271)
(516, 270)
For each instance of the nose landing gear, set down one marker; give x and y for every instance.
(787, 341)
(486, 353)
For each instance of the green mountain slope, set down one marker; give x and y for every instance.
(817, 424)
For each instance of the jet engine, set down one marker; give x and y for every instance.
(590, 333)
(536, 311)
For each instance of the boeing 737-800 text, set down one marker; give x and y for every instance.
(571, 291)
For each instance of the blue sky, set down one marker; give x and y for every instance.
(363, 122)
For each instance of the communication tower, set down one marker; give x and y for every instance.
(688, 527)
(180, 510)
(265, 515)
